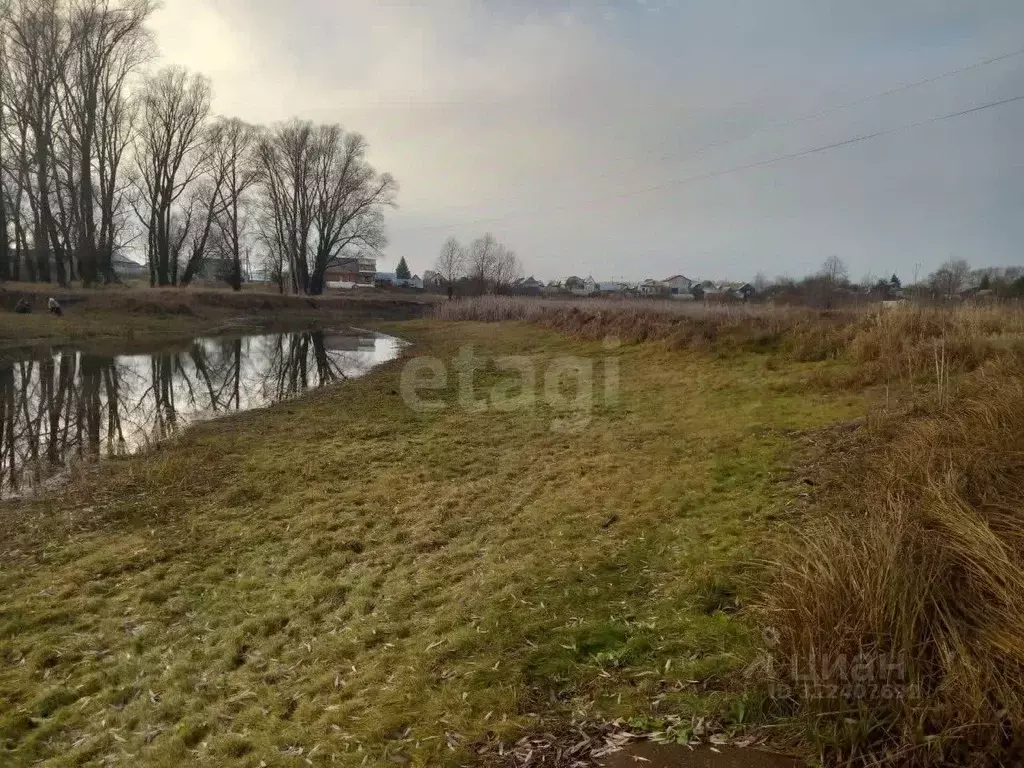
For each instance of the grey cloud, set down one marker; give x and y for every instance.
(505, 111)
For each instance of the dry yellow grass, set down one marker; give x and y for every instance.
(901, 344)
(914, 569)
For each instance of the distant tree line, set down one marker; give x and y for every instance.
(484, 266)
(99, 156)
(954, 279)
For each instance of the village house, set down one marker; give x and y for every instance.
(552, 288)
(678, 285)
(725, 291)
(350, 271)
(386, 279)
(527, 286)
(653, 288)
(126, 269)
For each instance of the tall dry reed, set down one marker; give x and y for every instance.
(917, 567)
(886, 343)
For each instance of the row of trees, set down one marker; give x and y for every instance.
(951, 280)
(485, 265)
(100, 156)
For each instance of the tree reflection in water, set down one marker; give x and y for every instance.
(58, 408)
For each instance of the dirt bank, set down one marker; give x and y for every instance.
(681, 756)
(141, 313)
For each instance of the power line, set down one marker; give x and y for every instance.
(771, 126)
(738, 168)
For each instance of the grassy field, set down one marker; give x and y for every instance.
(344, 579)
(892, 620)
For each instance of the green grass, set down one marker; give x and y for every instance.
(343, 576)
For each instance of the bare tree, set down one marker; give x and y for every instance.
(195, 235)
(324, 199)
(285, 157)
(481, 261)
(490, 265)
(451, 263)
(8, 265)
(37, 48)
(506, 269)
(114, 137)
(948, 280)
(109, 43)
(834, 271)
(170, 152)
(233, 163)
(349, 198)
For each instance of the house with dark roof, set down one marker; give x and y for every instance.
(126, 269)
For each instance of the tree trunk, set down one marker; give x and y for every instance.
(5, 245)
(88, 267)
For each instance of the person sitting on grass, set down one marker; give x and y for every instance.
(22, 307)
(54, 307)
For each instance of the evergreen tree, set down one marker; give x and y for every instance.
(402, 270)
(986, 283)
(894, 282)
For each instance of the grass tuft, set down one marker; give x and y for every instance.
(915, 573)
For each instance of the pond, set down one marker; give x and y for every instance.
(60, 406)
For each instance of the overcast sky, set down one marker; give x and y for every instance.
(582, 133)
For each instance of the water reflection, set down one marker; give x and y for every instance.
(59, 407)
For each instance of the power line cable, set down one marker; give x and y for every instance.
(734, 169)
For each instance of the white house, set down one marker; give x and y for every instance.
(678, 284)
(652, 288)
(611, 287)
(583, 288)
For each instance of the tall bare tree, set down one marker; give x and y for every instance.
(285, 157)
(109, 43)
(506, 269)
(490, 265)
(481, 260)
(37, 47)
(233, 161)
(323, 196)
(451, 262)
(349, 200)
(171, 153)
(949, 279)
(834, 271)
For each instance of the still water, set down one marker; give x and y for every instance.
(59, 407)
